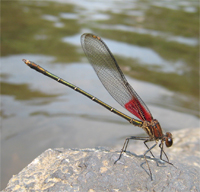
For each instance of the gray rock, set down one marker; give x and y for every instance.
(94, 169)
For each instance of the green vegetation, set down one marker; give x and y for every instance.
(16, 90)
(25, 31)
(19, 30)
(177, 22)
(171, 51)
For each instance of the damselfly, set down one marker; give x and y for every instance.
(114, 81)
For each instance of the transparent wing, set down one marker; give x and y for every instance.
(112, 77)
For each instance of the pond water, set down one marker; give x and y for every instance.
(37, 113)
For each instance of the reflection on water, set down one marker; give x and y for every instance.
(38, 113)
(143, 55)
(169, 37)
(69, 16)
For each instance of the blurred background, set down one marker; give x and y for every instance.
(154, 42)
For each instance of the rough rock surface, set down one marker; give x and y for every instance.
(94, 169)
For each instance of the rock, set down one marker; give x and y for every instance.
(94, 169)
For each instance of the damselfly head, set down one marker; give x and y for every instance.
(168, 139)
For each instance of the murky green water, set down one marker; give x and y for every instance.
(156, 45)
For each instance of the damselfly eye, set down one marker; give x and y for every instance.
(169, 140)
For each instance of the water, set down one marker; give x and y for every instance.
(38, 113)
(143, 55)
